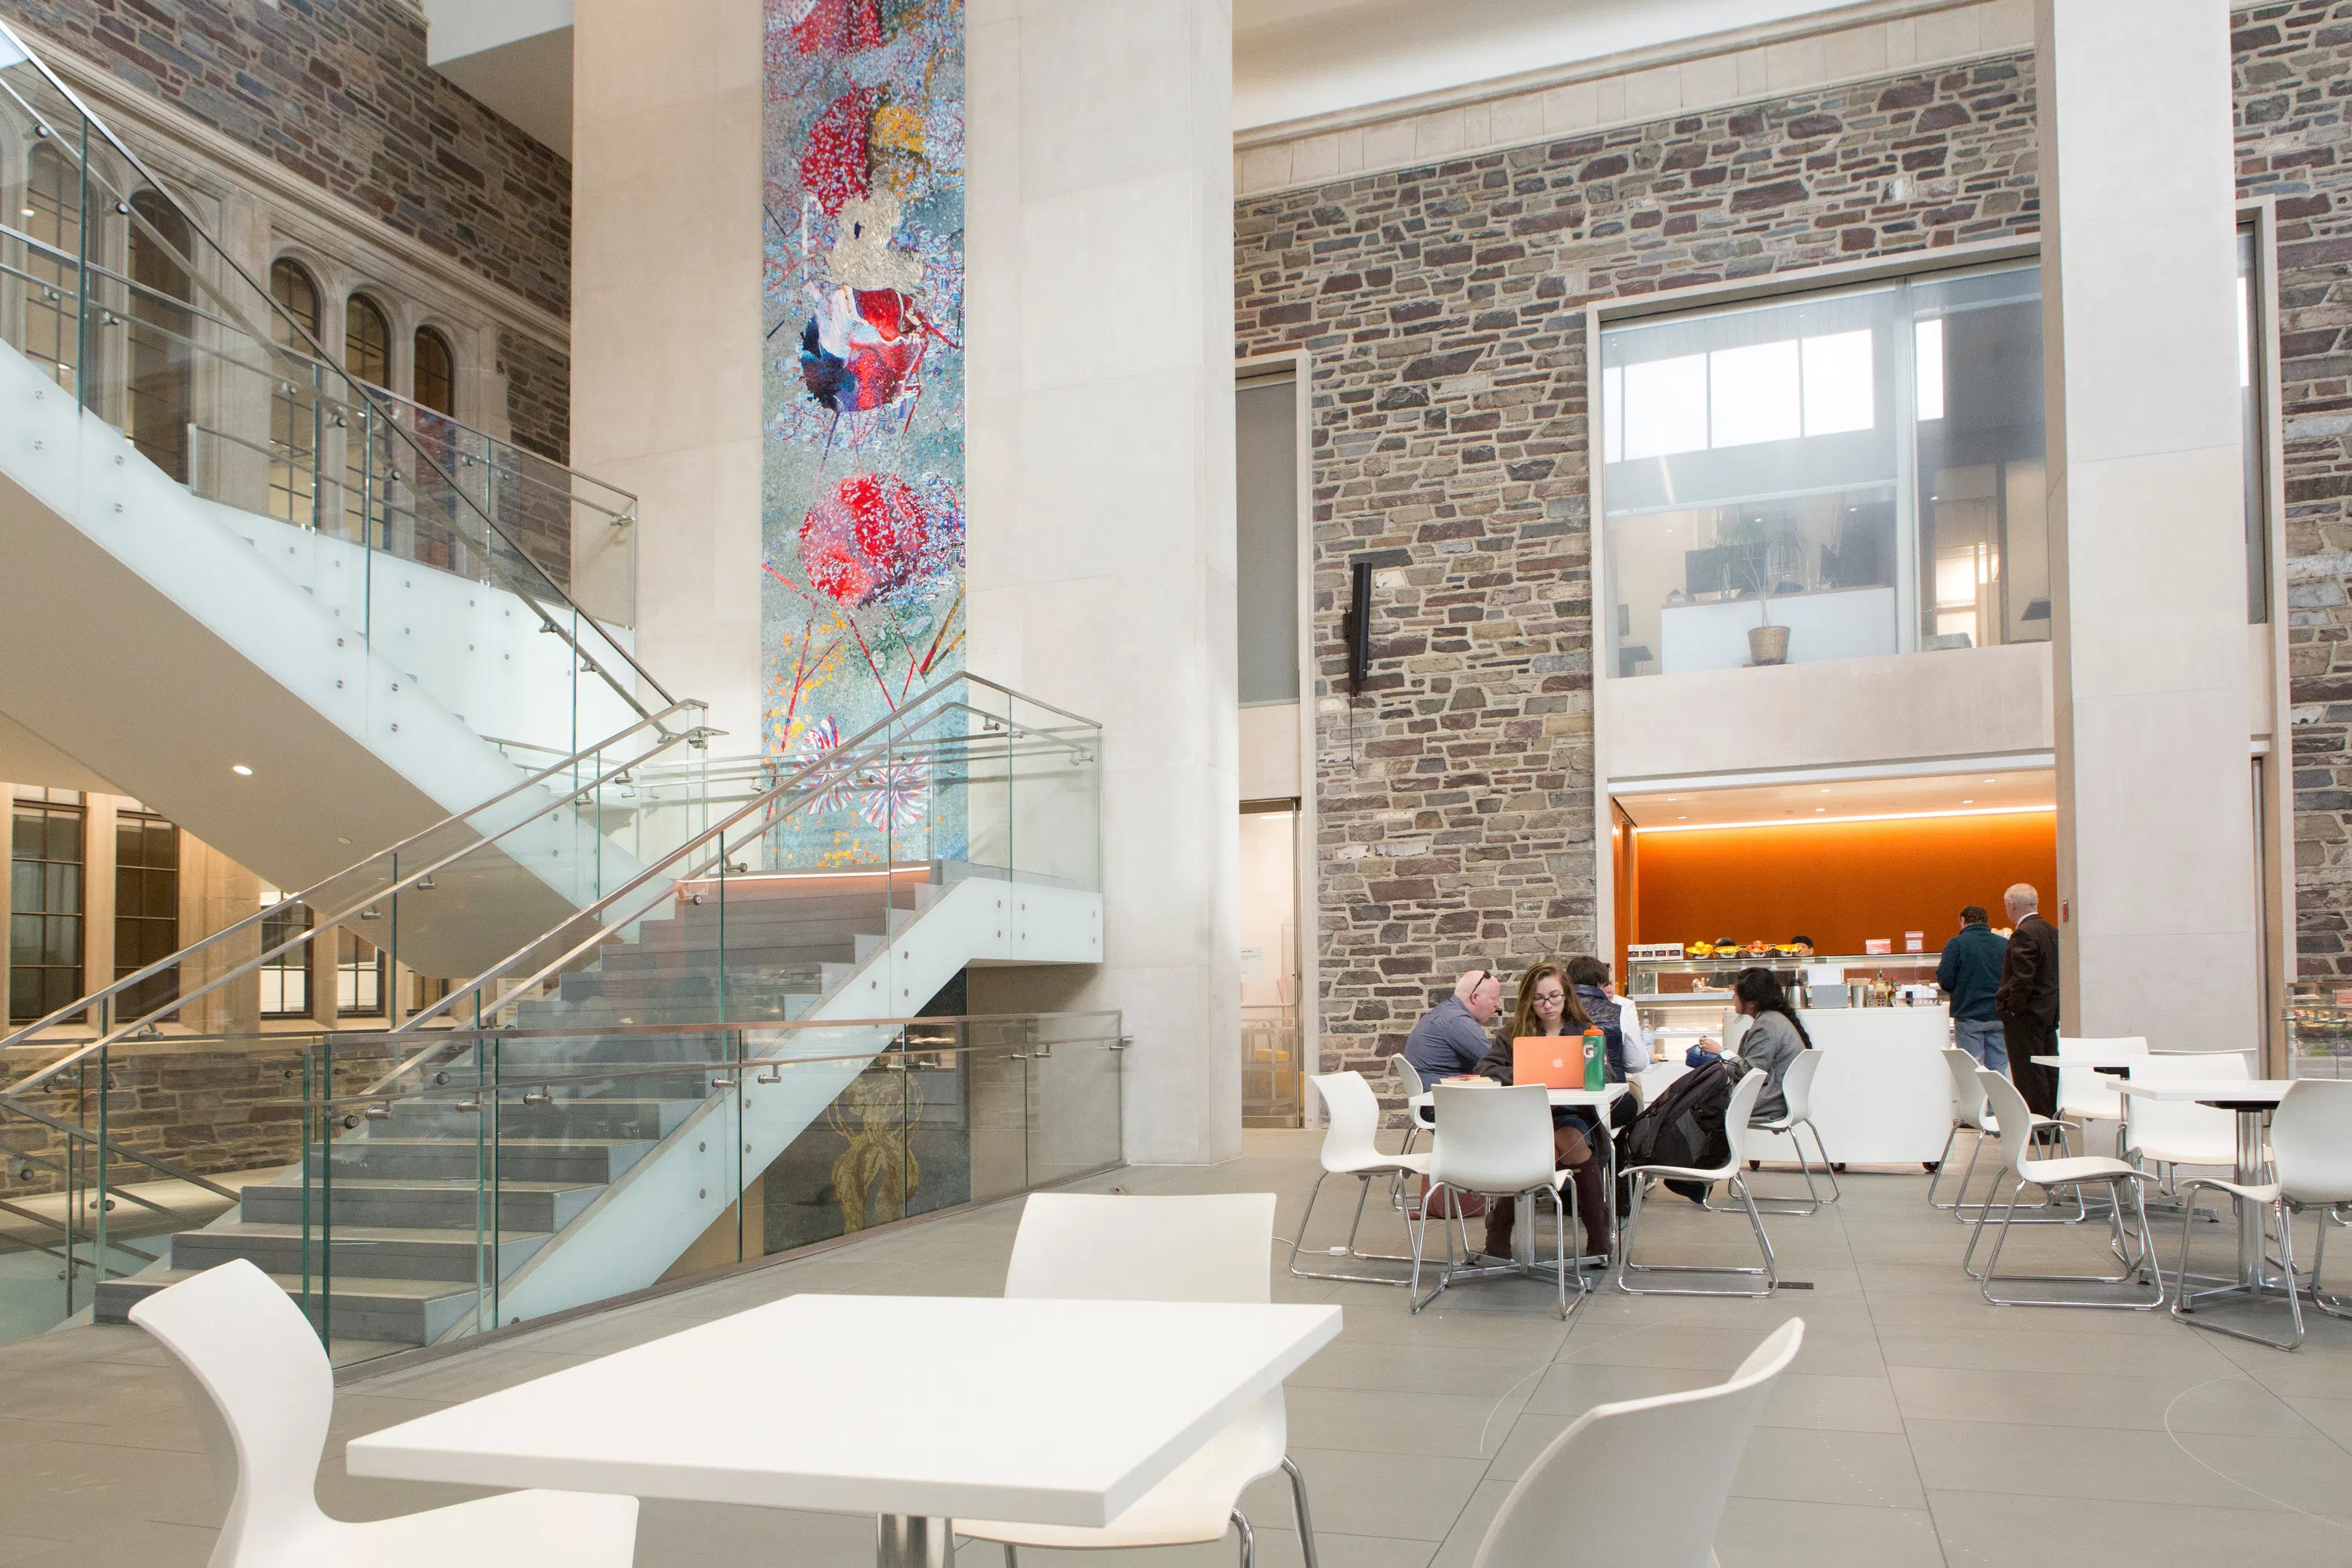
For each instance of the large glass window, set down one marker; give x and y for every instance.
(359, 976)
(162, 360)
(285, 979)
(52, 216)
(294, 410)
(44, 904)
(1862, 467)
(146, 908)
(367, 341)
(2253, 385)
(436, 373)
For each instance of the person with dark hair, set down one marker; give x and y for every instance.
(1590, 978)
(1773, 1039)
(2027, 1000)
(1968, 972)
(1547, 1007)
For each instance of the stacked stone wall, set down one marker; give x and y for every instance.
(1444, 307)
(204, 1111)
(337, 92)
(2293, 65)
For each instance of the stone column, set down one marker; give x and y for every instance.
(665, 343)
(1099, 235)
(2155, 848)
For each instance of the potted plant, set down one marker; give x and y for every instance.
(1750, 540)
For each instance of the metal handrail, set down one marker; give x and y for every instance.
(844, 755)
(492, 445)
(530, 782)
(73, 1130)
(302, 333)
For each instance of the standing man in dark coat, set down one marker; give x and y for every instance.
(2027, 1000)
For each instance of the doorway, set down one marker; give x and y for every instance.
(1273, 1086)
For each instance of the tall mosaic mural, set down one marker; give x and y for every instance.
(863, 482)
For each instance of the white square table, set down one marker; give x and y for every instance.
(914, 1408)
(2248, 1100)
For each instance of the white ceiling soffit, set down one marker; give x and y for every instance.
(1294, 60)
(1974, 792)
(515, 55)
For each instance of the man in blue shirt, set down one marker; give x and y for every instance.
(1452, 1035)
(1970, 972)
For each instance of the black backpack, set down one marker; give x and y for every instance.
(1683, 1126)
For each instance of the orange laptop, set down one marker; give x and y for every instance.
(1555, 1061)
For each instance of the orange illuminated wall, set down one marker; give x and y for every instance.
(1840, 882)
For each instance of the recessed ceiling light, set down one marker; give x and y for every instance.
(1681, 819)
(1821, 808)
(1967, 803)
(240, 770)
(341, 839)
(1825, 789)
(1988, 781)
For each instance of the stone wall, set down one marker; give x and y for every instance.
(538, 395)
(202, 1111)
(2294, 81)
(1442, 306)
(340, 95)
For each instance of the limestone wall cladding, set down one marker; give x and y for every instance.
(1442, 306)
(340, 95)
(2293, 65)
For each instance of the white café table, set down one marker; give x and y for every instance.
(917, 1409)
(2250, 1099)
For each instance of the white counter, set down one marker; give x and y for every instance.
(1882, 1096)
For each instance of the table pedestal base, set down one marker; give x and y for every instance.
(912, 1541)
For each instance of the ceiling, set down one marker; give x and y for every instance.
(1295, 58)
(2014, 790)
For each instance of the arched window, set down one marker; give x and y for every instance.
(294, 407)
(157, 404)
(436, 373)
(367, 341)
(291, 287)
(51, 215)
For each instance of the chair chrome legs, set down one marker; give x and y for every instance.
(1298, 1506)
(2132, 1270)
(1363, 1194)
(1813, 1200)
(1249, 1538)
(1563, 1265)
(1769, 1273)
(2184, 1299)
(1961, 1210)
(2333, 1306)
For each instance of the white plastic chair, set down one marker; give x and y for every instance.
(1734, 1171)
(2310, 1159)
(2165, 1133)
(263, 1395)
(2085, 1093)
(1496, 1142)
(1404, 1082)
(1218, 1246)
(1592, 1495)
(2016, 1123)
(1969, 1113)
(1797, 1094)
(1348, 1150)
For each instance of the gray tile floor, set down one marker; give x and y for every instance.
(1920, 1426)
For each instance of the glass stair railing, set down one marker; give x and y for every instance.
(255, 524)
(632, 1059)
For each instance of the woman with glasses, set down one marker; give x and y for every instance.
(1547, 1007)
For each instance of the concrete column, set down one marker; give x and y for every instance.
(1099, 308)
(2155, 850)
(665, 343)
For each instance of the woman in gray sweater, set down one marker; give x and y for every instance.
(1773, 1039)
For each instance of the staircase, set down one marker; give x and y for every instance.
(314, 603)
(602, 1185)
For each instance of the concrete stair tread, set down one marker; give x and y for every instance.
(345, 1286)
(421, 1184)
(279, 1231)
